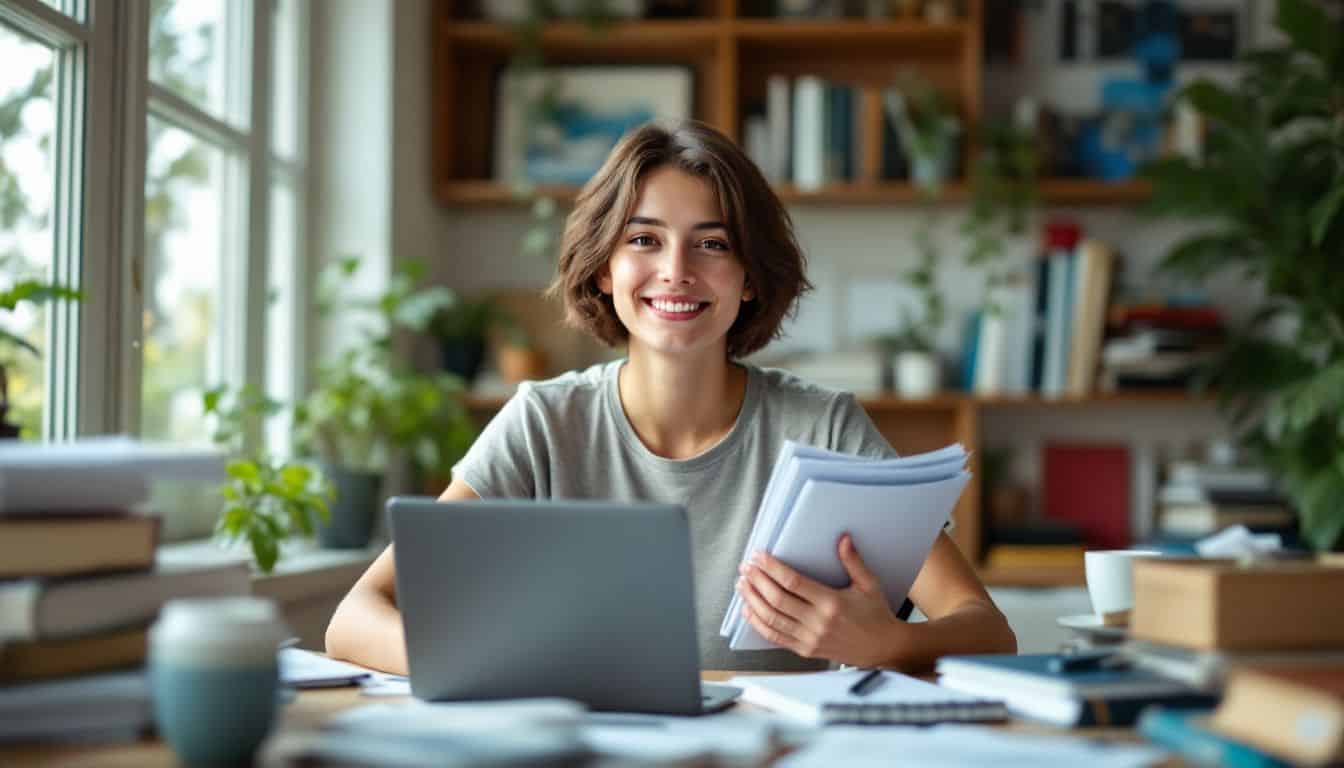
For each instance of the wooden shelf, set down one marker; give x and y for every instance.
(1033, 576)
(619, 38)
(1053, 191)
(842, 34)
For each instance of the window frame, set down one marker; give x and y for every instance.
(95, 357)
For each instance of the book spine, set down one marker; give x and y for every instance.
(1113, 712)
(1175, 730)
(778, 119)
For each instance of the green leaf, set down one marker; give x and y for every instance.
(1324, 212)
(1310, 28)
(265, 551)
(244, 470)
(18, 340)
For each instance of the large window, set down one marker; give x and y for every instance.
(182, 230)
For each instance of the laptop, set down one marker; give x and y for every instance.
(585, 600)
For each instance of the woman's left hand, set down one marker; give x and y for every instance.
(853, 625)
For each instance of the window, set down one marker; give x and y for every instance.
(183, 231)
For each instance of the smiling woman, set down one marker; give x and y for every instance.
(658, 255)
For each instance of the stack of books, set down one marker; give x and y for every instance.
(81, 581)
(1158, 345)
(1270, 718)
(893, 509)
(1198, 500)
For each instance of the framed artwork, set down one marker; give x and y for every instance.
(556, 125)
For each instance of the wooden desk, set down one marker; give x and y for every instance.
(305, 715)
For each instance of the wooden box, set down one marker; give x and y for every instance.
(1223, 605)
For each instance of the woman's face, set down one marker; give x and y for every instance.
(675, 277)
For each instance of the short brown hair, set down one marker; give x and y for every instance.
(760, 228)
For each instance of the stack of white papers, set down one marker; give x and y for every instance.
(893, 509)
(98, 473)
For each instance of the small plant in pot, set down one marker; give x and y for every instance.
(917, 367)
(928, 130)
(266, 500)
(462, 328)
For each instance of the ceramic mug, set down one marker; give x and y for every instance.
(214, 676)
(1110, 582)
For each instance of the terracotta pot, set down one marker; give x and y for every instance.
(520, 363)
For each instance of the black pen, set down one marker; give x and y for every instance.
(866, 683)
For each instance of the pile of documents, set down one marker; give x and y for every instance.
(893, 509)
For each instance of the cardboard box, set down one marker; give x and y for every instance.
(1223, 605)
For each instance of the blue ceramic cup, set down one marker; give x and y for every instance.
(214, 677)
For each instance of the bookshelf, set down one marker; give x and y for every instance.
(731, 51)
(912, 426)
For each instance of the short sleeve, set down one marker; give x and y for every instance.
(852, 431)
(510, 453)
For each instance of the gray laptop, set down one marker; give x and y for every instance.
(580, 599)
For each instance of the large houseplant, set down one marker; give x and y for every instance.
(1270, 192)
(368, 406)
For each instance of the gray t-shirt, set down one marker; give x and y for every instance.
(569, 438)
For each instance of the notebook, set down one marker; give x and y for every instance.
(893, 508)
(823, 698)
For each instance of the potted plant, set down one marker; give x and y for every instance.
(917, 371)
(1269, 189)
(266, 500)
(927, 128)
(516, 355)
(368, 407)
(1004, 195)
(33, 291)
(462, 328)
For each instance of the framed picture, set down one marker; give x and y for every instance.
(557, 125)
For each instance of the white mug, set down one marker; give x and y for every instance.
(1110, 582)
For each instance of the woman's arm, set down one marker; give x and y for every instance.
(366, 627)
(855, 625)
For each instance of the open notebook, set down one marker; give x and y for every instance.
(823, 698)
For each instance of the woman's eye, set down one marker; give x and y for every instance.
(642, 240)
(714, 245)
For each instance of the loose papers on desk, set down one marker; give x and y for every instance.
(893, 509)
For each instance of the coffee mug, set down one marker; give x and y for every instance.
(214, 676)
(1110, 582)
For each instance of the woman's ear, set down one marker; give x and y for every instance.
(603, 277)
(748, 293)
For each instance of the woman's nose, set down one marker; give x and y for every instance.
(674, 268)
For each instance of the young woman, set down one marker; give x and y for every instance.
(679, 249)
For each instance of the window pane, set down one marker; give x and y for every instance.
(281, 310)
(27, 121)
(184, 340)
(285, 89)
(187, 50)
(72, 8)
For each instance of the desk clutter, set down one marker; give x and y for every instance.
(81, 582)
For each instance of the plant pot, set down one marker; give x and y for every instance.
(518, 363)
(918, 374)
(355, 509)
(933, 168)
(463, 357)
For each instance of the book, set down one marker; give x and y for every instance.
(1208, 670)
(1186, 732)
(1088, 484)
(1093, 696)
(113, 473)
(38, 609)
(1092, 288)
(1204, 519)
(893, 509)
(41, 659)
(824, 698)
(66, 545)
(107, 707)
(1034, 556)
(1296, 713)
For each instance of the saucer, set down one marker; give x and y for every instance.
(1089, 624)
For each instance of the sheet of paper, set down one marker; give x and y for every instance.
(305, 669)
(738, 738)
(955, 746)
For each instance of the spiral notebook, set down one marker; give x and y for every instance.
(823, 698)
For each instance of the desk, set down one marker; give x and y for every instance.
(306, 714)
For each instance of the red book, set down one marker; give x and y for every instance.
(1088, 484)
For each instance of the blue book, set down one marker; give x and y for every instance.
(1184, 732)
(1095, 695)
